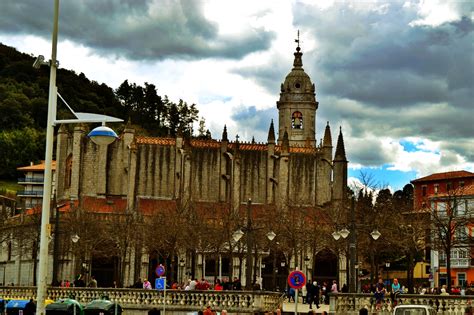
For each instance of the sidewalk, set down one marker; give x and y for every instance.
(304, 308)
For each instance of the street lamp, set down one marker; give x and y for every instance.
(344, 233)
(237, 235)
(46, 203)
(75, 238)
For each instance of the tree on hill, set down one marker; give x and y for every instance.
(24, 107)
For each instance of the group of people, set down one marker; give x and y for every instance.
(312, 292)
(195, 284)
(78, 283)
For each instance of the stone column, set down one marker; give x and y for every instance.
(76, 161)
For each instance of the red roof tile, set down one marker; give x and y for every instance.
(445, 175)
(36, 167)
(243, 146)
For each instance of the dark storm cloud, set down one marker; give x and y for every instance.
(382, 74)
(142, 29)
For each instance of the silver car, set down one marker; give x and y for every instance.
(414, 310)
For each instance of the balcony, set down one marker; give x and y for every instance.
(460, 262)
(30, 193)
(31, 180)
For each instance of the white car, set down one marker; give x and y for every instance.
(414, 310)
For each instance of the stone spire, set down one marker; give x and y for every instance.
(340, 150)
(327, 142)
(271, 133)
(224, 134)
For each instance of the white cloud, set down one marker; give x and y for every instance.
(435, 12)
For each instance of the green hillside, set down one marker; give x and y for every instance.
(24, 104)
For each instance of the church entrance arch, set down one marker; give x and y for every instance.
(105, 265)
(325, 266)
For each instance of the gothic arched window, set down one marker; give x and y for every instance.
(297, 120)
(68, 174)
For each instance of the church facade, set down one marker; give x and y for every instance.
(145, 174)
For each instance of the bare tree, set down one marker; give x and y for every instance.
(451, 213)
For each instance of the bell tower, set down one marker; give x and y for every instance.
(297, 105)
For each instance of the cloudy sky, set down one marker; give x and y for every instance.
(397, 76)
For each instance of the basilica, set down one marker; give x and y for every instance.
(147, 175)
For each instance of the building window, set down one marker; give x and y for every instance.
(461, 207)
(297, 120)
(423, 190)
(449, 186)
(461, 184)
(436, 188)
(462, 281)
(441, 207)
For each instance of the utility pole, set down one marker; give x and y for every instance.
(248, 260)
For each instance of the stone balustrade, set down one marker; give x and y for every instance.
(350, 303)
(136, 300)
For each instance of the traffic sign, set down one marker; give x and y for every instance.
(160, 270)
(296, 279)
(160, 284)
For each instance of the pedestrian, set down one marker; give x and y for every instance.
(291, 294)
(146, 284)
(93, 283)
(344, 288)
(79, 282)
(30, 308)
(395, 291)
(314, 293)
(236, 285)
(379, 293)
(304, 292)
(138, 284)
(325, 292)
(208, 311)
(218, 286)
(334, 287)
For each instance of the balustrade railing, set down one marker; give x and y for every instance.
(232, 301)
(350, 303)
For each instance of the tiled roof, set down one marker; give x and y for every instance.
(155, 140)
(243, 146)
(104, 205)
(445, 175)
(36, 167)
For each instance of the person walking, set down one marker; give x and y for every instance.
(314, 294)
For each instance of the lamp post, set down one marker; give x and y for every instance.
(271, 236)
(237, 235)
(387, 265)
(101, 135)
(344, 233)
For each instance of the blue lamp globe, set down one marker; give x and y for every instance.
(102, 135)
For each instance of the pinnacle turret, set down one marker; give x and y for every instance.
(340, 150)
(327, 142)
(271, 134)
(224, 134)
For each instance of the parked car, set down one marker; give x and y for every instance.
(414, 310)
